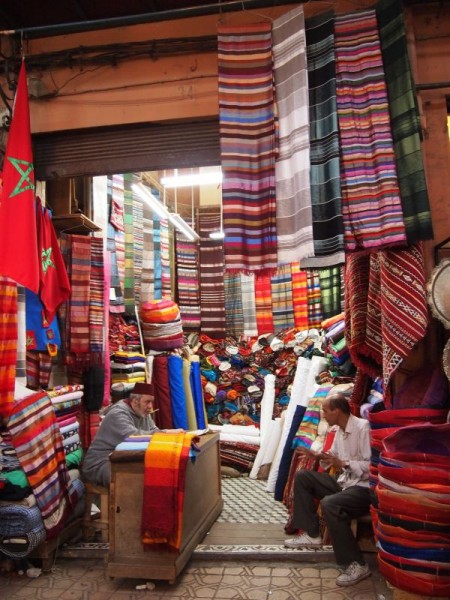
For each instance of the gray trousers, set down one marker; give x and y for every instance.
(339, 507)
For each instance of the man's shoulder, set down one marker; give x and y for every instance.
(357, 423)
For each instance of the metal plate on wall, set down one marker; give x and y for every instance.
(438, 289)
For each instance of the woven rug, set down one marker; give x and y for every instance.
(326, 196)
(248, 146)
(315, 315)
(128, 290)
(157, 284)
(332, 291)
(96, 312)
(249, 304)
(386, 312)
(21, 336)
(372, 210)
(300, 296)
(293, 196)
(406, 130)
(166, 262)
(148, 258)
(138, 243)
(233, 304)
(80, 272)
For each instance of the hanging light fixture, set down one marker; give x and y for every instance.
(163, 212)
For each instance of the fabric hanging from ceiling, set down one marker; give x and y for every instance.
(406, 131)
(249, 304)
(315, 315)
(128, 292)
(188, 283)
(248, 146)
(282, 304)
(263, 300)
(326, 195)
(148, 259)
(166, 266)
(212, 291)
(372, 209)
(233, 304)
(21, 337)
(300, 296)
(293, 189)
(332, 291)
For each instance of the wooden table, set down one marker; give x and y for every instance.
(202, 505)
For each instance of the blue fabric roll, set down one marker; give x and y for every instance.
(197, 393)
(177, 395)
(288, 451)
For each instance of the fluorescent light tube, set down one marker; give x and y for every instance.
(152, 201)
(217, 235)
(184, 228)
(192, 179)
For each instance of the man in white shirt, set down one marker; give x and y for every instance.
(341, 499)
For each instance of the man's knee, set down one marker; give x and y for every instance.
(303, 478)
(329, 504)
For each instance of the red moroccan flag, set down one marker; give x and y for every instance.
(19, 258)
(54, 281)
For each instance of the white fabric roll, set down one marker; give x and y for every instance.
(272, 443)
(297, 398)
(247, 430)
(267, 402)
(244, 439)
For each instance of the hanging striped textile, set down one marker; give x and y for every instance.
(38, 369)
(157, 283)
(128, 291)
(147, 277)
(119, 199)
(314, 299)
(116, 303)
(80, 273)
(212, 291)
(372, 209)
(166, 270)
(283, 307)
(106, 353)
(36, 436)
(187, 282)
(263, 301)
(138, 243)
(64, 309)
(326, 196)
(293, 195)
(331, 283)
(300, 296)
(404, 112)
(248, 146)
(248, 304)
(21, 375)
(233, 304)
(96, 296)
(8, 344)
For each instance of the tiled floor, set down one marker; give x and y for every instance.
(81, 579)
(242, 557)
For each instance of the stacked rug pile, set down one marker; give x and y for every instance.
(162, 328)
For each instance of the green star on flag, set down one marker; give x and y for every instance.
(25, 176)
(47, 259)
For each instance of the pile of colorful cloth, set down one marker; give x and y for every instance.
(335, 346)
(233, 372)
(127, 367)
(162, 328)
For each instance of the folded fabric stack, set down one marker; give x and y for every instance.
(375, 397)
(123, 334)
(335, 346)
(412, 523)
(162, 328)
(67, 400)
(127, 368)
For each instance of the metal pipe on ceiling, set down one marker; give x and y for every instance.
(152, 17)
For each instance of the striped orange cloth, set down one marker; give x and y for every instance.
(8, 345)
(164, 482)
(263, 300)
(300, 296)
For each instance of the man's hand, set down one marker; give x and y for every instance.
(308, 453)
(332, 461)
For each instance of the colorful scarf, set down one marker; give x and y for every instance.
(165, 463)
(326, 196)
(128, 291)
(404, 113)
(294, 215)
(283, 308)
(96, 290)
(331, 283)
(372, 210)
(300, 296)
(138, 244)
(8, 344)
(263, 300)
(187, 282)
(315, 316)
(147, 279)
(233, 304)
(249, 304)
(37, 439)
(21, 336)
(248, 146)
(80, 272)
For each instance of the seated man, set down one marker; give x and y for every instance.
(125, 418)
(342, 499)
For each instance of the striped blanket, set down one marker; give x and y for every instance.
(372, 210)
(8, 344)
(248, 146)
(37, 439)
(164, 482)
